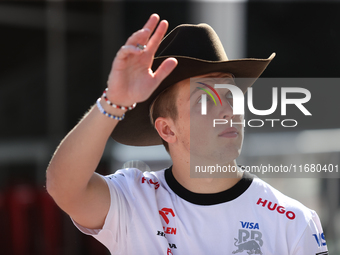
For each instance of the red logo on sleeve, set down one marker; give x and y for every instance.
(150, 181)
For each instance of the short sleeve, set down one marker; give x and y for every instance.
(113, 233)
(313, 240)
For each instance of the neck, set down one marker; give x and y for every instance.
(207, 185)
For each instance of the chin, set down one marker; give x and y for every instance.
(231, 154)
(226, 155)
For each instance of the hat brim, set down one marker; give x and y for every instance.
(136, 128)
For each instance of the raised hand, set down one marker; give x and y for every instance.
(131, 78)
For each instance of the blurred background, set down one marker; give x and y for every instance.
(55, 60)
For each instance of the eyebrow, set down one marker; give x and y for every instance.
(195, 90)
(199, 87)
(207, 79)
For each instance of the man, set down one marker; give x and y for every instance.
(167, 212)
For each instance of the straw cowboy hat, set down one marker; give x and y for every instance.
(198, 51)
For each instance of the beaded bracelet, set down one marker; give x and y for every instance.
(117, 106)
(101, 109)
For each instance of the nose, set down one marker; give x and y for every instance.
(226, 110)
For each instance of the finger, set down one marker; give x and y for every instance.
(141, 36)
(126, 50)
(165, 69)
(152, 22)
(157, 37)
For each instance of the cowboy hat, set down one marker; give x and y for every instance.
(198, 51)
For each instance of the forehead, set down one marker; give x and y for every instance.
(212, 78)
(184, 87)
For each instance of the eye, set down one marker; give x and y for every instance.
(199, 100)
(229, 95)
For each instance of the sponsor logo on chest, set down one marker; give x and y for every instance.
(249, 238)
(275, 207)
(167, 214)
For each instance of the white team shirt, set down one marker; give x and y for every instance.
(151, 213)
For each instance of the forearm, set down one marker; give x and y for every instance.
(78, 155)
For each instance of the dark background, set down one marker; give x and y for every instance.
(304, 35)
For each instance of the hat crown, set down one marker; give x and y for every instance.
(194, 41)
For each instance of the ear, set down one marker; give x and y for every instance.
(164, 127)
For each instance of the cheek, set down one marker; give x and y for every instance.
(201, 128)
(183, 128)
(183, 135)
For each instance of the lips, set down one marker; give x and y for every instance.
(229, 132)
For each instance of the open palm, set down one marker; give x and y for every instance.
(131, 79)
